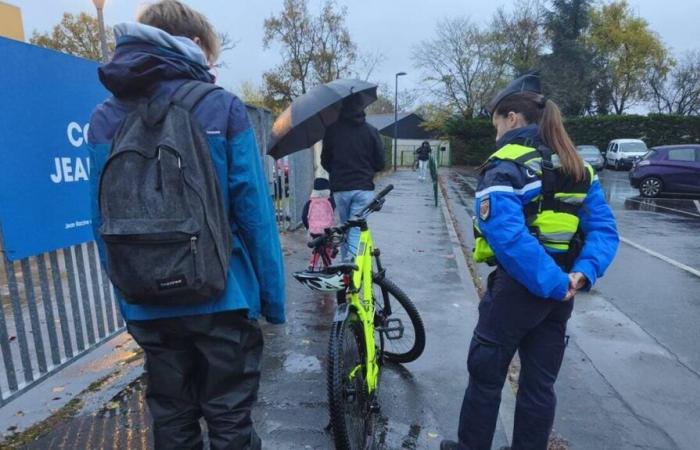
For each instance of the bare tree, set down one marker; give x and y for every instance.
(227, 43)
(315, 49)
(335, 52)
(460, 66)
(77, 34)
(519, 35)
(677, 91)
(366, 64)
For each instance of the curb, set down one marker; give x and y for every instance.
(506, 412)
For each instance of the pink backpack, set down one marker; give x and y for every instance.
(321, 215)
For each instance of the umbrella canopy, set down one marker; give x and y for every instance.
(304, 122)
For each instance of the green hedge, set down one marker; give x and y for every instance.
(472, 141)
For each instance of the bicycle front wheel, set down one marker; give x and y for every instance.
(402, 331)
(348, 399)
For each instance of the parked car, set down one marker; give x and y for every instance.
(623, 153)
(591, 154)
(670, 168)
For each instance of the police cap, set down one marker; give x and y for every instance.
(529, 82)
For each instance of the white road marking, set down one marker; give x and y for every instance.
(673, 262)
(697, 204)
(657, 206)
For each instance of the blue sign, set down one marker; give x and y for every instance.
(46, 99)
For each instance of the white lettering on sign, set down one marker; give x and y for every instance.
(70, 170)
(77, 136)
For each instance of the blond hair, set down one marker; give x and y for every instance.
(179, 19)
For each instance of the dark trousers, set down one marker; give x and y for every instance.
(202, 366)
(510, 319)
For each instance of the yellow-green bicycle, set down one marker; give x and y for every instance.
(366, 331)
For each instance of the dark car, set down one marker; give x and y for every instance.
(591, 154)
(670, 168)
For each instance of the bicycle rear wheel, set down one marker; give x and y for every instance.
(348, 399)
(403, 333)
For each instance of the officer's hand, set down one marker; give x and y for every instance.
(577, 280)
(570, 294)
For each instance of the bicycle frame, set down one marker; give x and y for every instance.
(361, 299)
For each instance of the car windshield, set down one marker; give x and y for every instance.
(633, 147)
(651, 154)
(588, 151)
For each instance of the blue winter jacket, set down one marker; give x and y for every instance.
(509, 187)
(149, 62)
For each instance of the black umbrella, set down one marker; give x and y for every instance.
(304, 122)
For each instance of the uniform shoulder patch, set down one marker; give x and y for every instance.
(485, 208)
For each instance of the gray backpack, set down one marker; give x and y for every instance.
(167, 237)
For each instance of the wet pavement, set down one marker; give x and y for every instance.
(631, 376)
(419, 401)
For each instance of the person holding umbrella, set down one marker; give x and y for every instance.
(352, 154)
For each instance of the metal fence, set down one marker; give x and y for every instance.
(54, 308)
(58, 306)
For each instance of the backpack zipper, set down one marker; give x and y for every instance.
(193, 248)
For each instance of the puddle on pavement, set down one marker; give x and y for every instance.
(298, 363)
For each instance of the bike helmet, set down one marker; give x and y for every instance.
(322, 281)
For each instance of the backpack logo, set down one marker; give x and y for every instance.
(172, 283)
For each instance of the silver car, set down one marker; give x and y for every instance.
(591, 154)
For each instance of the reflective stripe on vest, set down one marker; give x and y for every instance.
(553, 228)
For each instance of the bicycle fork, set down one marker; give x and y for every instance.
(392, 328)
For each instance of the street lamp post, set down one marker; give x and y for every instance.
(99, 5)
(396, 115)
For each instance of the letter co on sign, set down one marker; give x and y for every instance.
(69, 169)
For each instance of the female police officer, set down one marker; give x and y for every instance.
(542, 220)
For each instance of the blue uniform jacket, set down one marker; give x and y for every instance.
(256, 273)
(509, 187)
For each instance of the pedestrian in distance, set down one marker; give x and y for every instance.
(542, 221)
(185, 227)
(352, 154)
(423, 156)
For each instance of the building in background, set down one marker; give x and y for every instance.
(11, 22)
(410, 135)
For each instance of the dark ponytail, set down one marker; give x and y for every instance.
(536, 109)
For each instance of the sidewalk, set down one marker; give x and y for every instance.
(420, 401)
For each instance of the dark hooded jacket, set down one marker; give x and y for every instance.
(352, 150)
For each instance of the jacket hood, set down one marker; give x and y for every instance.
(531, 132)
(146, 56)
(353, 111)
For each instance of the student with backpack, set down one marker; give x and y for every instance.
(185, 227)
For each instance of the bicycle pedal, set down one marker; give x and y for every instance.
(374, 408)
(393, 332)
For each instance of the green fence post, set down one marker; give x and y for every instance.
(434, 176)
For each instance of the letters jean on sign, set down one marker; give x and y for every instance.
(44, 114)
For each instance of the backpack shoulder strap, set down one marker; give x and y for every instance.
(549, 177)
(192, 92)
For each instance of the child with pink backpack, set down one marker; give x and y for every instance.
(319, 214)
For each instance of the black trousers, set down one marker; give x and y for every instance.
(510, 319)
(202, 366)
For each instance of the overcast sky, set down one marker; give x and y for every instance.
(388, 27)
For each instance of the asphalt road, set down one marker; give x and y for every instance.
(631, 377)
